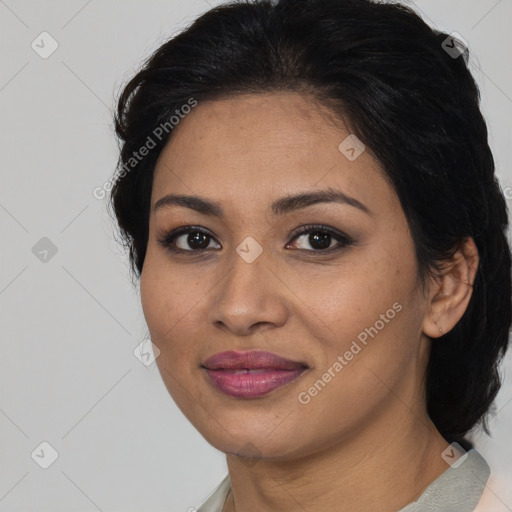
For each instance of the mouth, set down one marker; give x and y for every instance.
(251, 374)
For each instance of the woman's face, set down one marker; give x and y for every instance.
(347, 305)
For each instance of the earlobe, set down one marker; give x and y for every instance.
(450, 293)
(441, 330)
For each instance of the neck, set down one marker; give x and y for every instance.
(383, 466)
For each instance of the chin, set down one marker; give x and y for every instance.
(244, 440)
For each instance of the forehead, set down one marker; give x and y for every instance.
(234, 126)
(254, 147)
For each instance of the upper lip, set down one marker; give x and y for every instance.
(253, 359)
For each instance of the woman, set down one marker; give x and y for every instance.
(309, 200)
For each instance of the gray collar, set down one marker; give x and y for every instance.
(458, 489)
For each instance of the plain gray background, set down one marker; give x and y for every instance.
(71, 318)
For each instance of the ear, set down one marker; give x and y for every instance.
(449, 294)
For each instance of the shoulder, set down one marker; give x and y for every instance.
(215, 500)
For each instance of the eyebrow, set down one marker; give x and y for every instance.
(281, 206)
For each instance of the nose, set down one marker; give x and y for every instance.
(250, 297)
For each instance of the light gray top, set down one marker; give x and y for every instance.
(458, 489)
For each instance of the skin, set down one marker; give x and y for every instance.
(365, 442)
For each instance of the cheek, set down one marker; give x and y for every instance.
(166, 296)
(367, 313)
(152, 296)
(162, 311)
(342, 301)
(175, 304)
(169, 319)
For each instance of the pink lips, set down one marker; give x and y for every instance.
(251, 374)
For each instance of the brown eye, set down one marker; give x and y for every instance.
(320, 238)
(186, 239)
(194, 240)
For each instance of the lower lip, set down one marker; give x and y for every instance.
(251, 385)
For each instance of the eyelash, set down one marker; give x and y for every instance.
(167, 241)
